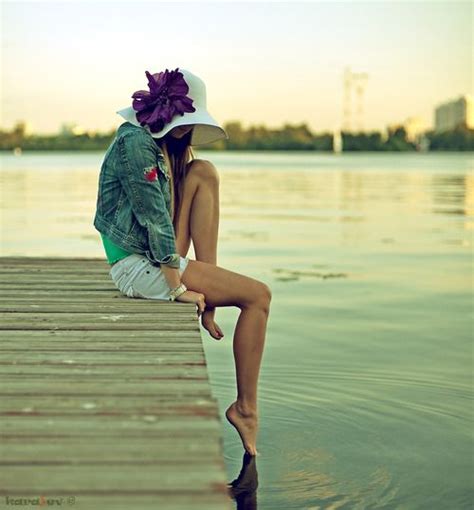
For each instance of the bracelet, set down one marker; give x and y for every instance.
(176, 292)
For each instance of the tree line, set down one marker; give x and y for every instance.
(297, 137)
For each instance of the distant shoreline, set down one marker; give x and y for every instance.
(289, 138)
(215, 149)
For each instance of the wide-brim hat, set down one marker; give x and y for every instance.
(206, 128)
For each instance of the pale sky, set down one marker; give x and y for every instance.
(262, 62)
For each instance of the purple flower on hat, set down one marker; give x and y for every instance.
(166, 99)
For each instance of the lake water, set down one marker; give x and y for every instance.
(365, 393)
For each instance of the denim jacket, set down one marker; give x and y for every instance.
(134, 197)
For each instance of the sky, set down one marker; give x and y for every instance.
(264, 63)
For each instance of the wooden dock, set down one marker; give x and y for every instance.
(105, 400)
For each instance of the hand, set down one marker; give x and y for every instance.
(193, 297)
(207, 321)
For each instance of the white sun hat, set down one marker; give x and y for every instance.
(155, 107)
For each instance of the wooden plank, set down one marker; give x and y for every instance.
(112, 358)
(25, 278)
(108, 295)
(129, 318)
(65, 283)
(105, 335)
(127, 480)
(61, 371)
(101, 271)
(91, 424)
(25, 405)
(100, 400)
(189, 501)
(122, 385)
(165, 501)
(98, 321)
(59, 306)
(16, 448)
(49, 343)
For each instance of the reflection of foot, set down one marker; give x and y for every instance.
(246, 425)
(244, 488)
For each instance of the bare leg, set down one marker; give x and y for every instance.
(249, 338)
(198, 219)
(222, 287)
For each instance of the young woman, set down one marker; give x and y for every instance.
(154, 198)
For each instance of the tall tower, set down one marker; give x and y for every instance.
(353, 82)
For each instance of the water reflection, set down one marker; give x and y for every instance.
(452, 194)
(366, 382)
(244, 488)
(267, 200)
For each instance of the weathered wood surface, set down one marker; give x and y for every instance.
(103, 399)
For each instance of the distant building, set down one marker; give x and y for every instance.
(458, 112)
(71, 129)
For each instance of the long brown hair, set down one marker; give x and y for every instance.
(180, 154)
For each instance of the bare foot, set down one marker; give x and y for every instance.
(246, 425)
(207, 320)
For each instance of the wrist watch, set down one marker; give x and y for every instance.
(176, 292)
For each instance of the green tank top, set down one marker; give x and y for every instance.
(112, 251)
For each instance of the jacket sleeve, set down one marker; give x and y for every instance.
(140, 172)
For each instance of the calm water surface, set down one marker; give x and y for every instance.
(366, 384)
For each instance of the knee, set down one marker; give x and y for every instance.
(205, 171)
(262, 297)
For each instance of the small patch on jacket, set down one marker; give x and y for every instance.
(151, 173)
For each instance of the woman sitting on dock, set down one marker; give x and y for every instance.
(154, 198)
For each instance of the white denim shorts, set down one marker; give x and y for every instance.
(136, 277)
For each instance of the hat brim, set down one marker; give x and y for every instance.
(206, 129)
